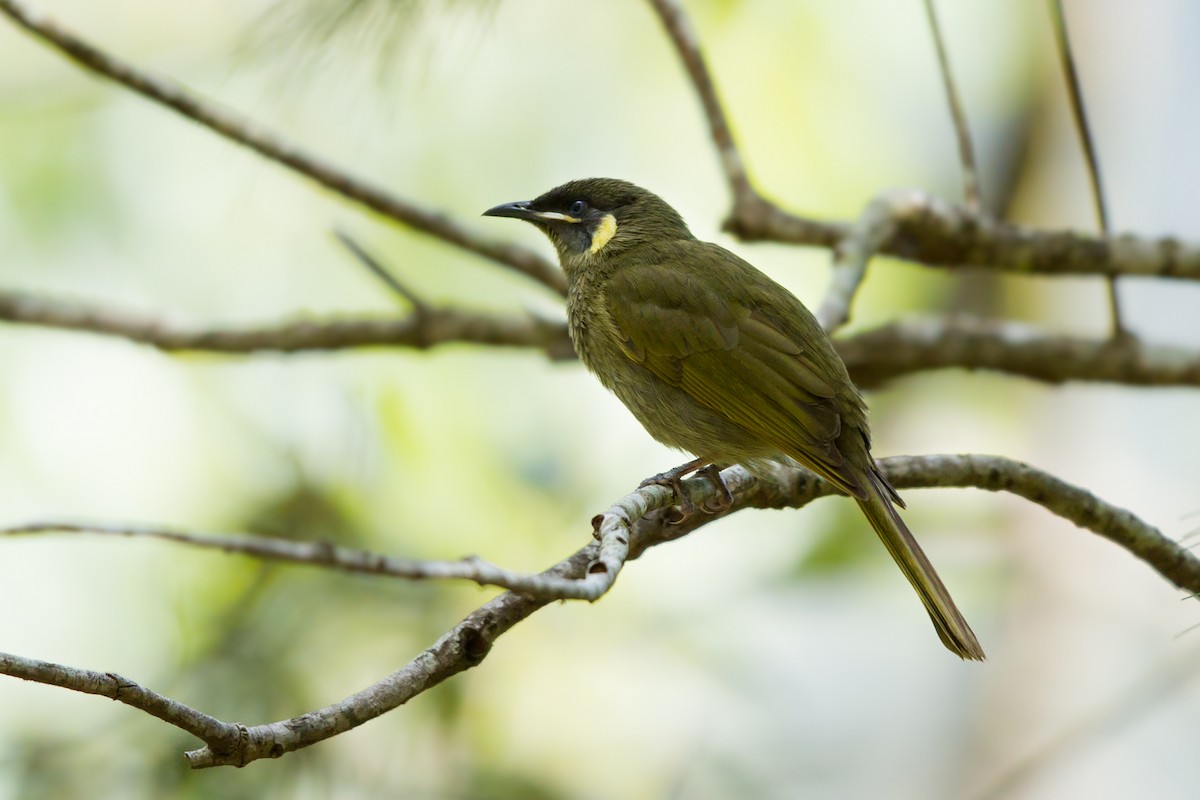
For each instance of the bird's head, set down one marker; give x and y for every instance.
(597, 218)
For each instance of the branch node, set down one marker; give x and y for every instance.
(875, 226)
(475, 646)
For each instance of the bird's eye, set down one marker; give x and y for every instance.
(577, 208)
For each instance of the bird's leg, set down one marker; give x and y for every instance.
(724, 499)
(671, 478)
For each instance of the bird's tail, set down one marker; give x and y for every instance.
(954, 631)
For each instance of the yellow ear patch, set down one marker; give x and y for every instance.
(606, 228)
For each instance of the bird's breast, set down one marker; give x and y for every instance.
(666, 411)
(590, 326)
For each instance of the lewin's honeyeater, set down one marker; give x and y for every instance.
(716, 359)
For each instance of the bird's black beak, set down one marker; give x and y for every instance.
(523, 210)
(519, 210)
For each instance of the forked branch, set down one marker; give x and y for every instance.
(639, 520)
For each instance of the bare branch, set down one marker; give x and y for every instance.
(221, 736)
(462, 647)
(381, 272)
(916, 345)
(434, 327)
(873, 357)
(1075, 504)
(936, 234)
(612, 531)
(793, 488)
(687, 45)
(875, 226)
(242, 131)
(1079, 114)
(966, 152)
(469, 642)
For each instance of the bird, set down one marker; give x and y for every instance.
(716, 359)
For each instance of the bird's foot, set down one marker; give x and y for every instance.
(724, 499)
(673, 478)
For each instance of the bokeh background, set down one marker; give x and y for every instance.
(774, 655)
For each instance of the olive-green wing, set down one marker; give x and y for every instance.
(721, 348)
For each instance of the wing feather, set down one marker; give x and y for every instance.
(727, 354)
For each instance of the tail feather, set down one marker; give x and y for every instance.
(951, 627)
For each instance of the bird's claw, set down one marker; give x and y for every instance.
(724, 500)
(672, 479)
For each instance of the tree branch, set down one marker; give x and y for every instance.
(918, 345)
(1075, 504)
(462, 647)
(794, 488)
(966, 153)
(683, 37)
(469, 642)
(934, 233)
(430, 328)
(612, 532)
(221, 736)
(874, 227)
(873, 357)
(416, 302)
(242, 131)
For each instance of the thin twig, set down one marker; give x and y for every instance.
(749, 208)
(381, 272)
(238, 129)
(1079, 114)
(613, 535)
(321, 554)
(226, 744)
(687, 45)
(966, 153)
